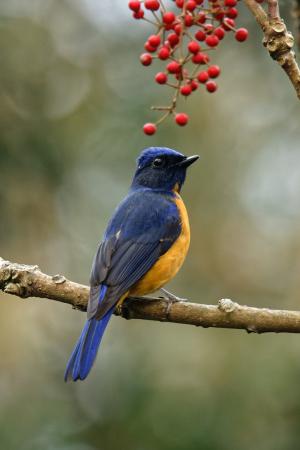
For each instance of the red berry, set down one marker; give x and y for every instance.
(232, 13)
(173, 67)
(193, 47)
(202, 76)
(146, 59)
(198, 58)
(188, 20)
(161, 78)
(153, 5)
(201, 18)
(230, 3)
(138, 15)
(213, 71)
(177, 28)
(194, 85)
(186, 90)
(190, 5)
(149, 128)
(228, 24)
(181, 119)
(179, 3)
(154, 40)
(200, 35)
(219, 32)
(173, 39)
(208, 27)
(202, 58)
(211, 86)
(164, 53)
(168, 17)
(183, 73)
(149, 47)
(219, 14)
(134, 5)
(241, 34)
(212, 41)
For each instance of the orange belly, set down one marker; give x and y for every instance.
(168, 264)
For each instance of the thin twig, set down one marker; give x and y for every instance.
(28, 281)
(273, 10)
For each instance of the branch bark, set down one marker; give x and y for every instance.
(278, 41)
(28, 281)
(296, 16)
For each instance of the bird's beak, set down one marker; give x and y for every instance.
(186, 162)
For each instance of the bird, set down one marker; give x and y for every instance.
(143, 247)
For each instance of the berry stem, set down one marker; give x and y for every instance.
(151, 22)
(195, 70)
(189, 35)
(183, 29)
(160, 108)
(174, 86)
(163, 118)
(157, 18)
(229, 26)
(162, 5)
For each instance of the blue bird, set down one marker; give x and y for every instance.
(143, 247)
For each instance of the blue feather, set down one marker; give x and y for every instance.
(86, 348)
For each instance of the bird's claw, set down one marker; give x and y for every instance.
(122, 310)
(119, 309)
(170, 300)
(172, 297)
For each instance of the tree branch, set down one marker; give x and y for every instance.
(278, 41)
(296, 16)
(28, 281)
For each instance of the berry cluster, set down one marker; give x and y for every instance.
(182, 39)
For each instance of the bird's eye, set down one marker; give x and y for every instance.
(158, 162)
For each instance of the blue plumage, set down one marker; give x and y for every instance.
(161, 177)
(85, 351)
(143, 228)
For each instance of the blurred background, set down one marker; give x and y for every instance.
(73, 99)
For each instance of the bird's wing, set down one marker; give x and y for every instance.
(144, 226)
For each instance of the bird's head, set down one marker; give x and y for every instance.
(162, 168)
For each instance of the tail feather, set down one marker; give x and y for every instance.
(86, 348)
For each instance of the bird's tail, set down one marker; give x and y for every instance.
(85, 351)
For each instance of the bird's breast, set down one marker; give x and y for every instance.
(170, 262)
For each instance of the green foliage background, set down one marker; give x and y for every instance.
(73, 98)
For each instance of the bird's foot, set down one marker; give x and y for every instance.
(122, 310)
(118, 309)
(170, 300)
(172, 297)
